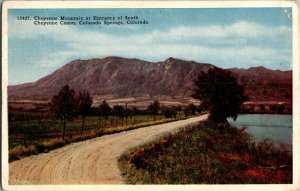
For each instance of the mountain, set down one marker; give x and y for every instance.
(262, 84)
(117, 77)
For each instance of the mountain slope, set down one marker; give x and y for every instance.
(262, 84)
(120, 78)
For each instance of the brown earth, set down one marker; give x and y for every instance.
(94, 161)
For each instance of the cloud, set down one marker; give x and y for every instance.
(240, 30)
(53, 59)
(240, 44)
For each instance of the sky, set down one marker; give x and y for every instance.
(224, 37)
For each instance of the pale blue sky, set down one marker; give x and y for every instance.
(243, 38)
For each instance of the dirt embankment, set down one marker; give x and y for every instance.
(89, 162)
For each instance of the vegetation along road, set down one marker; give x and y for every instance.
(94, 161)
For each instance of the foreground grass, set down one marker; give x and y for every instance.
(37, 145)
(207, 154)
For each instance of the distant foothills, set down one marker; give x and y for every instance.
(137, 82)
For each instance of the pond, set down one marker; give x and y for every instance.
(278, 128)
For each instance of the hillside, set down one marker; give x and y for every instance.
(115, 77)
(262, 84)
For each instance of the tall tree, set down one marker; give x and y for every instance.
(190, 109)
(83, 105)
(220, 90)
(63, 106)
(154, 108)
(104, 110)
(119, 112)
(133, 112)
(126, 113)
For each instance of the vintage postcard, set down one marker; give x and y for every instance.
(150, 95)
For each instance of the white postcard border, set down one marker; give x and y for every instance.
(152, 4)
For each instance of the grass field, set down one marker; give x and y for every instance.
(207, 154)
(32, 132)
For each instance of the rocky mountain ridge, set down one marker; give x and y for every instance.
(118, 77)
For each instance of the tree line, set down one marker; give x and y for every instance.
(68, 103)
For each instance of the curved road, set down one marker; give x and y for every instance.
(94, 161)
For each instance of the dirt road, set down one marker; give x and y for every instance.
(89, 162)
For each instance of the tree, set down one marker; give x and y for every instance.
(220, 90)
(153, 108)
(179, 109)
(104, 110)
(127, 113)
(63, 106)
(83, 105)
(262, 107)
(119, 111)
(170, 112)
(133, 111)
(280, 108)
(190, 109)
